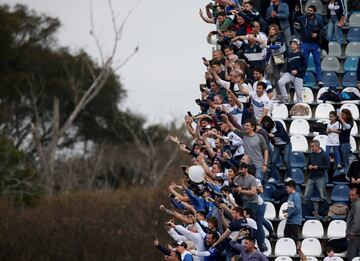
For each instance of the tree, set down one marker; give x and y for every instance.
(46, 88)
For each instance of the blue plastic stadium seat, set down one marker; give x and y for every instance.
(340, 193)
(353, 34)
(311, 64)
(297, 175)
(297, 159)
(309, 80)
(349, 80)
(330, 79)
(268, 192)
(351, 63)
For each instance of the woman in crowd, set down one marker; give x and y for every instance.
(347, 123)
(275, 56)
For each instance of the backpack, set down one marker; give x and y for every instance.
(330, 96)
(349, 96)
(318, 127)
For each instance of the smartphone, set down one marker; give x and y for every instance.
(189, 113)
(204, 59)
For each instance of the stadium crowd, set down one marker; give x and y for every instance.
(242, 155)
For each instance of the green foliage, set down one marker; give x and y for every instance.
(19, 182)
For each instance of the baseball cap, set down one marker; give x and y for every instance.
(297, 41)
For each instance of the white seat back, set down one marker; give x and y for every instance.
(270, 211)
(311, 247)
(280, 111)
(283, 258)
(281, 228)
(307, 95)
(323, 109)
(299, 143)
(299, 127)
(285, 247)
(283, 207)
(353, 144)
(313, 228)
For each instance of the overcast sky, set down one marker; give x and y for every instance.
(162, 79)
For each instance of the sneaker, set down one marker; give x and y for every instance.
(320, 84)
(263, 248)
(272, 180)
(288, 179)
(339, 166)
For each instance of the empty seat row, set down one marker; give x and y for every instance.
(299, 143)
(332, 64)
(286, 248)
(322, 111)
(330, 79)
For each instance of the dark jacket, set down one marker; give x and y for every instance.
(280, 132)
(296, 61)
(321, 160)
(309, 26)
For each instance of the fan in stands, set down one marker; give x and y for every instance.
(250, 142)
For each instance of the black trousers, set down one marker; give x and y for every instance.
(292, 231)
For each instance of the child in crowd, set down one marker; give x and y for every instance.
(296, 68)
(329, 254)
(333, 130)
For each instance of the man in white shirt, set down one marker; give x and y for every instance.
(261, 103)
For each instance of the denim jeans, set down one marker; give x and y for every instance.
(336, 153)
(259, 218)
(315, 183)
(259, 174)
(258, 212)
(275, 157)
(333, 30)
(313, 48)
(345, 151)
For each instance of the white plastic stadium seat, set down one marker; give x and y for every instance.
(280, 111)
(336, 229)
(284, 206)
(283, 258)
(334, 49)
(307, 95)
(354, 20)
(322, 110)
(311, 247)
(299, 143)
(311, 258)
(330, 64)
(354, 129)
(354, 90)
(270, 212)
(352, 49)
(353, 108)
(308, 116)
(336, 258)
(281, 228)
(353, 144)
(285, 247)
(322, 139)
(299, 127)
(313, 228)
(356, 258)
